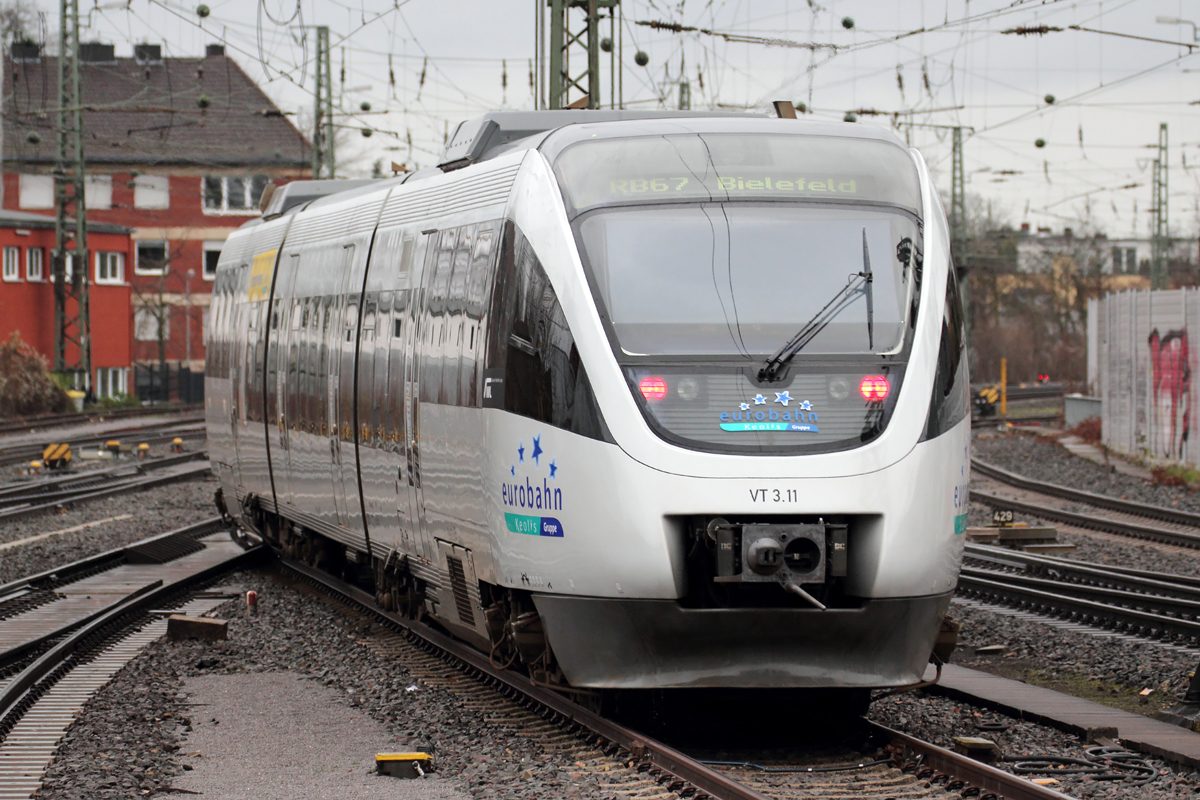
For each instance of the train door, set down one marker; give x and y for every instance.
(399, 390)
(237, 335)
(341, 425)
(418, 343)
(285, 376)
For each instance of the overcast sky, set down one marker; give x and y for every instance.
(1110, 93)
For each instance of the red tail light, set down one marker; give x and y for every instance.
(874, 388)
(653, 388)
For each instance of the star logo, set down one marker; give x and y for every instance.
(783, 397)
(513, 470)
(537, 449)
(759, 400)
(553, 469)
(806, 406)
(745, 406)
(521, 453)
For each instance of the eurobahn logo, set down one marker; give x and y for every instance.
(769, 418)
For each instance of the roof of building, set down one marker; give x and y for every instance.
(24, 219)
(148, 112)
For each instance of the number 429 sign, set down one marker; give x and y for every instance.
(1002, 516)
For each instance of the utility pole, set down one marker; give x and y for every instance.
(569, 32)
(958, 203)
(71, 324)
(322, 154)
(1160, 243)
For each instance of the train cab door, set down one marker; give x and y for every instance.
(421, 278)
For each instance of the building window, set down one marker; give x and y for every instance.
(12, 263)
(37, 191)
(232, 194)
(97, 191)
(68, 266)
(151, 191)
(151, 322)
(110, 267)
(1131, 261)
(212, 255)
(35, 258)
(151, 258)
(111, 381)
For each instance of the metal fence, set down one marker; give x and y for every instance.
(168, 382)
(1144, 371)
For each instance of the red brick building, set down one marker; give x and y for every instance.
(177, 149)
(27, 294)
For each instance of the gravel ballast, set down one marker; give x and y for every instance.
(123, 519)
(300, 635)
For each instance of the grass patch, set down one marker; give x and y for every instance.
(1175, 475)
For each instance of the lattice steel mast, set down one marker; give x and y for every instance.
(322, 153)
(72, 324)
(570, 31)
(1160, 243)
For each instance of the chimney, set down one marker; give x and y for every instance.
(97, 53)
(1025, 227)
(147, 53)
(214, 50)
(1068, 233)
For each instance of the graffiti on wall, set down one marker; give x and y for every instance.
(1170, 393)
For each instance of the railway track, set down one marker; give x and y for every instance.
(64, 633)
(1146, 604)
(639, 765)
(1002, 489)
(36, 422)
(189, 429)
(33, 497)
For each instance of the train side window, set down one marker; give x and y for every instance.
(478, 284)
(543, 376)
(950, 402)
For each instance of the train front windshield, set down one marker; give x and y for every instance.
(720, 248)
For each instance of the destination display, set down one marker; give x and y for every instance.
(700, 167)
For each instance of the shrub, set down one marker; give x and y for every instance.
(1088, 430)
(118, 400)
(26, 386)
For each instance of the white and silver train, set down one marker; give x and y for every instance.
(629, 399)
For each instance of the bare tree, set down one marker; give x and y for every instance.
(17, 20)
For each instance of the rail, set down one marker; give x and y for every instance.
(673, 769)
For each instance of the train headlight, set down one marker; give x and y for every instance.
(653, 388)
(688, 389)
(838, 388)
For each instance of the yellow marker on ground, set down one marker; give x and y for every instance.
(403, 765)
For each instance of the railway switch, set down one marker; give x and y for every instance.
(403, 765)
(114, 447)
(177, 445)
(143, 451)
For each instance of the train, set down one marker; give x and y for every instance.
(626, 399)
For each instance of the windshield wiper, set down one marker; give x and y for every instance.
(859, 281)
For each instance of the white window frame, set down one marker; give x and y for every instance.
(110, 268)
(138, 269)
(35, 256)
(111, 381)
(251, 209)
(12, 264)
(152, 191)
(210, 247)
(97, 191)
(39, 186)
(147, 324)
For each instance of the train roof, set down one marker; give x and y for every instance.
(475, 139)
(497, 132)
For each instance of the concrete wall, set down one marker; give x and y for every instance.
(1147, 372)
